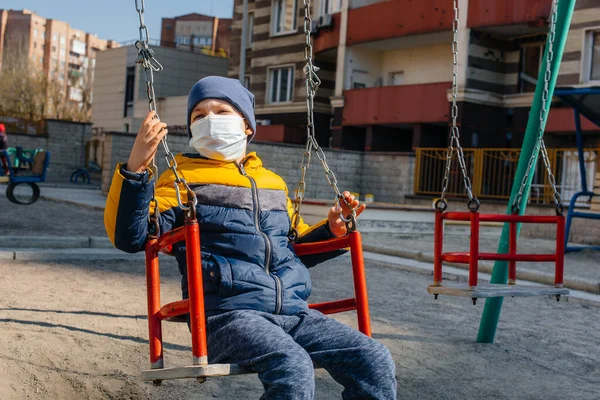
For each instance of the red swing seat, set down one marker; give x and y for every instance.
(176, 311)
(472, 288)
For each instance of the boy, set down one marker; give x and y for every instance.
(255, 287)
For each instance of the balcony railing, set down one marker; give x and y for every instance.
(492, 172)
(398, 18)
(406, 104)
(328, 37)
(508, 12)
(390, 19)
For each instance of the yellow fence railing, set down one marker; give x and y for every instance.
(492, 173)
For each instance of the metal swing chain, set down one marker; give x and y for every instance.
(473, 203)
(312, 84)
(540, 145)
(151, 65)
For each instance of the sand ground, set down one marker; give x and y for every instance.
(78, 331)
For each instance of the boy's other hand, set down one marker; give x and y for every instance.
(146, 142)
(336, 225)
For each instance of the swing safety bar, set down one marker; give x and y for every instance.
(473, 256)
(190, 233)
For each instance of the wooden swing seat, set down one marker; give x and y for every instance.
(495, 290)
(193, 371)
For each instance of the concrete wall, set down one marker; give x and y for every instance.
(65, 140)
(428, 64)
(387, 176)
(362, 66)
(109, 87)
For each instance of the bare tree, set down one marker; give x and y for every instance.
(29, 95)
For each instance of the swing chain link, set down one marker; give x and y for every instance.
(312, 84)
(441, 204)
(150, 64)
(540, 145)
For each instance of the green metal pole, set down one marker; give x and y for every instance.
(493, 306)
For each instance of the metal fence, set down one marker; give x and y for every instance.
(492, 173)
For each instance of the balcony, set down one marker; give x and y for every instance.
(530, 14)
(407, 104)
(397, 18)
(328, 38)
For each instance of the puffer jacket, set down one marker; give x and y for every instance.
(244, 215)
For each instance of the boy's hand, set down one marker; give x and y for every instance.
(146, 142)
(336, 225)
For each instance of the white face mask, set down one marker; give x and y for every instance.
(219, 137)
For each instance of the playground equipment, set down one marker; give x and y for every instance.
(189, 233)
(584, 102)
(507, 249)
(22, 186)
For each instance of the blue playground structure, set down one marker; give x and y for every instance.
(586, 102)
(22, 183)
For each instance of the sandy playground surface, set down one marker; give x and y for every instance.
(78, 331)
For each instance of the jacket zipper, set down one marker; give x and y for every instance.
(256, 211)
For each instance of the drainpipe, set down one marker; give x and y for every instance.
(214, 35)
(243, 42)
(341, 54)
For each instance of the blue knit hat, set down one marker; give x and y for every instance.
(226, 89)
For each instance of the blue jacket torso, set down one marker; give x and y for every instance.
(244, 216)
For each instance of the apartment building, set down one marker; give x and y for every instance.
(62, 53)
(386, 68)
(197, 32)
(120, 98)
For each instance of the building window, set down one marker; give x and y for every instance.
(591, 56)
(330, 6)
(35, 45)
(129, 87)
(54, 49)
(529, 66)
(35, 32)
(358, 85)
(247, 82)
(54, 37)
(182, 40)
(281, 83)
(62, 40)
(284, 16)
(250, 31)
(396, 78)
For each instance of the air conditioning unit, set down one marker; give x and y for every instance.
(325, 21)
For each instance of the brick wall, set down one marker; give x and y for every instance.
(65, 140)
(387, 176)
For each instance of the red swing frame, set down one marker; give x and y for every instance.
(473, 256)
(190, 233)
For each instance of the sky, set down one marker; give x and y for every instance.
(117, 19)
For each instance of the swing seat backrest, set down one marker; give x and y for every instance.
(40, 163)
(194, 306)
